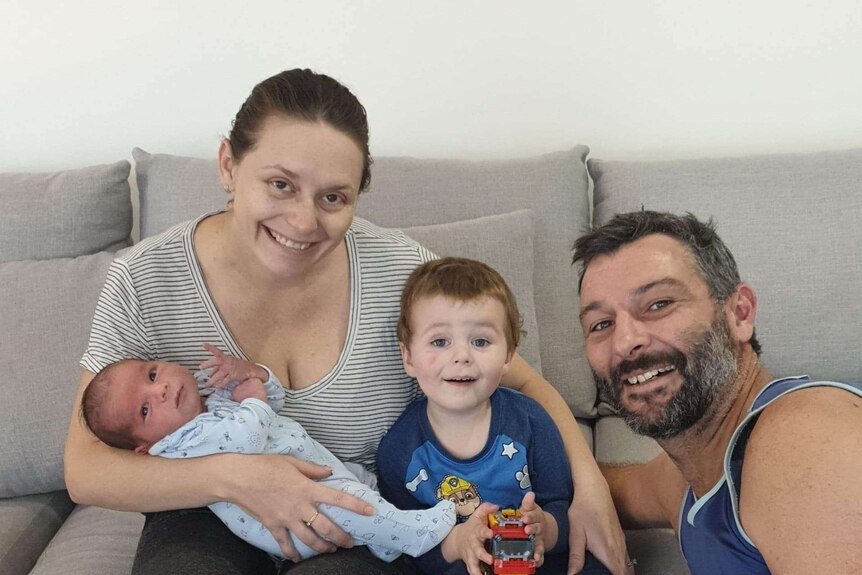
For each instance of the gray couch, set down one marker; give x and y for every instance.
(793, 221)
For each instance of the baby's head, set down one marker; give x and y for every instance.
(459, 326)
(131, 404)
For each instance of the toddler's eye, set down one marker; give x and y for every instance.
(145, 410)
(152, 375)
(481, 342)
(439, 342)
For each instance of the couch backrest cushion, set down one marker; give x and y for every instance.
(410, 192)
(510, 253)
(53, 230)
(794, 225)
(46, 308)
(65, 214)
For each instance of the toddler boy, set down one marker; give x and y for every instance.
(468, 440)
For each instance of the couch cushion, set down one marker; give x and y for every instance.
(27, 524)
(793, 223)
(46, 308)
(504, 242)
(65, 214)
(92, 541)
(173, 189)
(657, 552)
(618, 445)
(410, 192)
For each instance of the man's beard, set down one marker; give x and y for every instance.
(708, 367)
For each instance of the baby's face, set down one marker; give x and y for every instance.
(151, 399)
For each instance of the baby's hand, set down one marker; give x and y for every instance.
(467, 540)
(251, 387)
(226, 368)
(535, 524)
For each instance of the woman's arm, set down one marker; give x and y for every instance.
(276, 489)
(593, 522)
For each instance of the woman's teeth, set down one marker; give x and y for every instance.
(635, 379)
(288, 243)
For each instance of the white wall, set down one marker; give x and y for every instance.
(83, 82)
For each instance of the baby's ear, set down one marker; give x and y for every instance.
(143, 449)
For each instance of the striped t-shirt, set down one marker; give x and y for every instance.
(155, 305)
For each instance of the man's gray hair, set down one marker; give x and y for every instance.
(714, 261)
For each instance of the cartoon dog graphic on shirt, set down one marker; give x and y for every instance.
(462, 493)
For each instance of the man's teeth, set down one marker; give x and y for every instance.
(288, 243)
(649, 375)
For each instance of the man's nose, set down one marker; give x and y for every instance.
(630, 336)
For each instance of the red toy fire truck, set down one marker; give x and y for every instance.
(511, 547)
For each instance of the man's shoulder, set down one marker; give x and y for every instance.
(801, 467)
(817, 405)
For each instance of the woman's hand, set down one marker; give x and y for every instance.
(282, 493)
(594, 525)
(466, 542)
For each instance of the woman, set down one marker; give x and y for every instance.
(287, 277)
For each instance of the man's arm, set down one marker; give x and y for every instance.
(801, 494)
(647, 495)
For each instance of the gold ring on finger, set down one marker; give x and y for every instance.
(310, 521)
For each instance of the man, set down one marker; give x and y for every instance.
(669, 331)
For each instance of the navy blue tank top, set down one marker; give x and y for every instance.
(710, 533)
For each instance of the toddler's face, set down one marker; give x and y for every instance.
(151, 399)
(458, 352)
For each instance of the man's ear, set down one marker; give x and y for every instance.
(742, 309)
(406, 359)
(143, 449)
(226, 165)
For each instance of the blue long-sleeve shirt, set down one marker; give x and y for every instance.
(524, 452)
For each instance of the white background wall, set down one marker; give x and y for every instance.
(83, 82)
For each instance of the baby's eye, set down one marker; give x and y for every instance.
(439, 342)
(145, 410)
(152, 375)
(481, 342)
